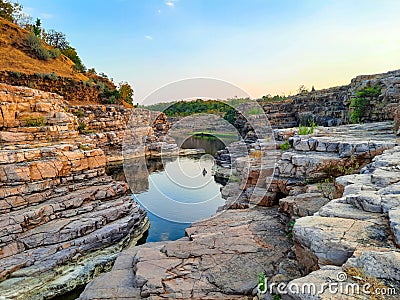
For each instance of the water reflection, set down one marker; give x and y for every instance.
(172, 187)
(210, 144)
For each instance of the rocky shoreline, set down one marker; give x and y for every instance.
(63, 220)
(225, 264)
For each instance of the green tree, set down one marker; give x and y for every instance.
(126, 92)
(37, 28)
(71, 53)
(10, 10)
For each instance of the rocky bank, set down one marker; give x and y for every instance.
(63, 220)
(253, 239)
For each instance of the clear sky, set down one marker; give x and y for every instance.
(263, 46)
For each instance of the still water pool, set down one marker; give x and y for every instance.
(176, 193)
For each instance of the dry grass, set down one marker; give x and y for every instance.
(374, 283)
(13, 58)
(256, 154)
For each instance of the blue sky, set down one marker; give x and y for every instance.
(262, 46)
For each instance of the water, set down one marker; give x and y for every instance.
(175, 193)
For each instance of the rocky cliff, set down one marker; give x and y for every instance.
(330, 107)
(62, 218)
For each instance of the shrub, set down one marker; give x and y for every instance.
(255, 111)
(35, 121)
(84, 147)
(51, 76)
(261, 282)
(71, 53)
(81, 127)
(361, 102)
(304, 130)
(334, 169)
(79, 113)
(285, 145)
(36, 46)
(327, 188)
(54, 53)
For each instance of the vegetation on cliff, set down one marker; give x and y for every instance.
(360, 103)
(44, 59)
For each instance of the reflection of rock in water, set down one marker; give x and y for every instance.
(210, 144)
(136, 172)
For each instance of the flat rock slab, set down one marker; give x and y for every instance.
(219, 259)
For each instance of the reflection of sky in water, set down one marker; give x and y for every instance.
(179, 196)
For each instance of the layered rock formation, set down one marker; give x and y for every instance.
(105, 127)
(62, 218)
(219, 264)
(359, 230)
(331, 107)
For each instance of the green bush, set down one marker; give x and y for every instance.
(327, 188)
(79, 113)
(71, 53)
(36, 46)
(84, 147)
(81, 127)
(54, 53)
(362, 101)
(304, 130)
(285, 146)
(255, 111)
(51, 76)
(290, 229)
(35, 121)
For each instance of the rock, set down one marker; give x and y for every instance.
(62, 218)
(247, 242)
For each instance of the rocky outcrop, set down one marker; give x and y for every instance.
(105, 127)
(332, 106)
(62, 218)
(208, 264)
(196, 266)
(358, 232)
(71, 89)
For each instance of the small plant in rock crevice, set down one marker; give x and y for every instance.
(327, 188)
(35, 121)
(334, 169)
(285, 145)
(290, 229)
(81, 127)
(304, 130)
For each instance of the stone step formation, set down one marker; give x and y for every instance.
(62, 218)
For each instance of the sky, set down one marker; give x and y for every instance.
(262, 46)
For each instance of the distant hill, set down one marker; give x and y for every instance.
(14, 55)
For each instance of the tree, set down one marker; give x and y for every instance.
(9, 9)
(56, 39)
(92, 71)
(71, 53)
(37, 28)
(302, 89)
(126, 92)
